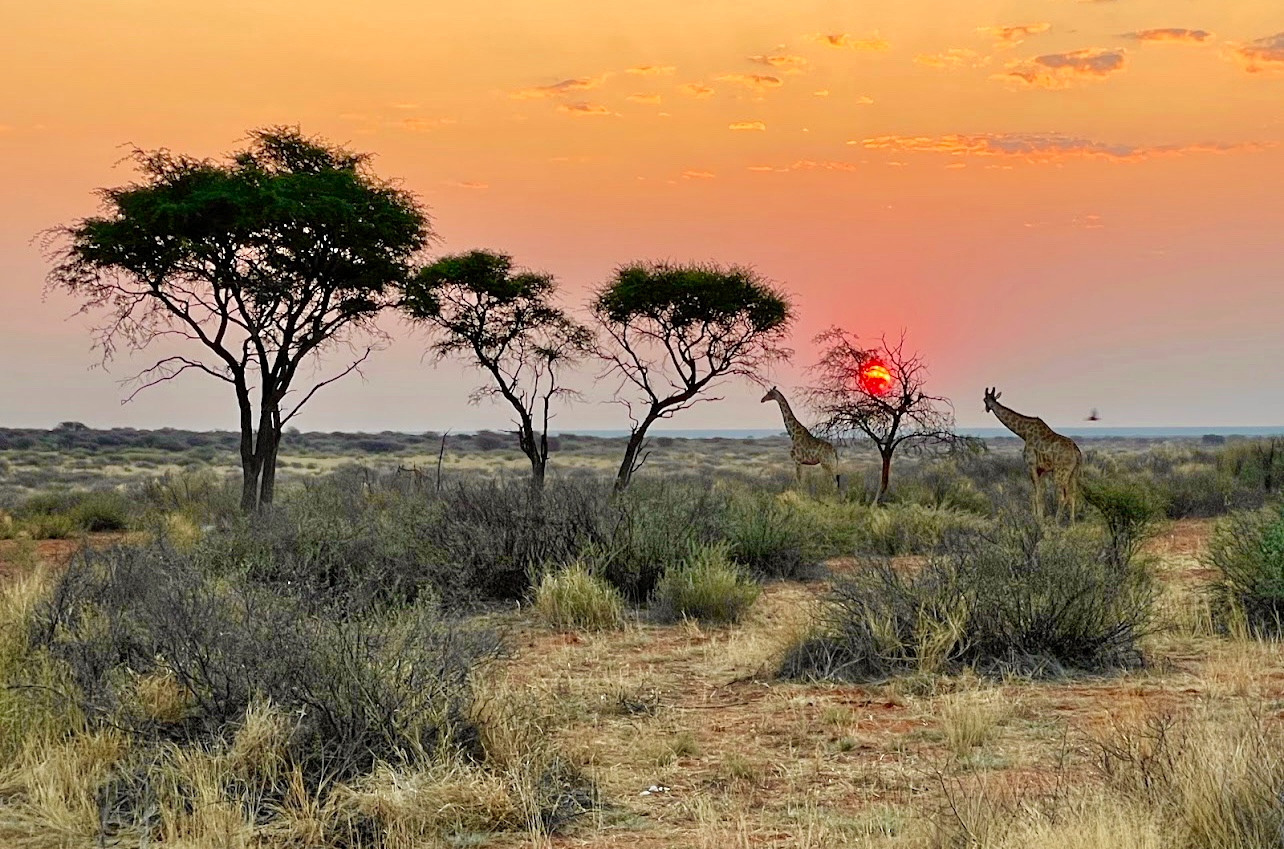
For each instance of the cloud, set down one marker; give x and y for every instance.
(864, 100)
(821, 92)
(695, 90)
(423, 125)
(1176, 34)
(747, 125)
(649, 99)
(954, 57)
(805, 165)
(1063, 70)
(842, 39)
(1091, 221)
(1042, 148)
(787, 64)
(467, 184)
(584, 109)
(559, 89)
(698, 175)
(405, 107)
(652, 70)
(757, 82)
(1010, 36)
(1263, 55)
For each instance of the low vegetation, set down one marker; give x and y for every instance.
(698, 660)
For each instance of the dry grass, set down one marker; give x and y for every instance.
(575, 598)
(737, 759)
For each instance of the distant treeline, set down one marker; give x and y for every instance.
(74, 436)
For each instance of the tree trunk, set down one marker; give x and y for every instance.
(630, 463)
(538, 464)
(269, 444)
(250, 465)
(883, 477)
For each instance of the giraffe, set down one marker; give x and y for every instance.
(807, 450)
(1045, 451)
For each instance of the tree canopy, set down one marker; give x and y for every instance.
(671, 332)
(288, 249)
(507, 322)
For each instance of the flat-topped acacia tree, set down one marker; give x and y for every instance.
(671, 332)
(250, 266)
(507, 323)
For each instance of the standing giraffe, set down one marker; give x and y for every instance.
(807, 450)
(1045, 451)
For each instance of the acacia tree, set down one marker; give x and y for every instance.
(250, 267)
(507, 323)
(671, 332)
(878, 394)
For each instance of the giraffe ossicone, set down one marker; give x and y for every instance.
(805, 449)
(1046, 451)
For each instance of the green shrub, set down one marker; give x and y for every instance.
(1247, 550)
(770, 536)
(706, 587)
(574, 597)
(1129, 509)
(655, 524)
(1020, 597)
(50, 526)
(101, 511)
(910, 528)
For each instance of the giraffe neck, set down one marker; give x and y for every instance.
(792, 425)
(1023, 426)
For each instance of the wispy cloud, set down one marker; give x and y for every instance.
(804, 165)
(1063, 70)
(821, 92)
(424, 125)
(1043, 148)
(747, 125)
(864, 100)
(584, 109)
(648, 99)
(954, 57)
(756, 82)
(1172, 34)
(695, 90)
(559, 89)
(467, 184)
(876, 44)
(652, 70)
(698, 175)
(1090, 221)
(1261, 56)
(782, 62)
(1010, 36)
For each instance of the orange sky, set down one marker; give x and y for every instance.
(1079, 202)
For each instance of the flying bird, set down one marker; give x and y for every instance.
(1093, 417)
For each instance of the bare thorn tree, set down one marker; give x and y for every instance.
(252, 267)
(507, 323)
(877, 394)
(672, 332)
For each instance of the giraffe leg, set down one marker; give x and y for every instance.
(1036, 485)
(798, 473)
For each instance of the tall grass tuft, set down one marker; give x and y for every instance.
(573, 597)
(707, 587)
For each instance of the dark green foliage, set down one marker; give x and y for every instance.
(674, 331)
(283, 251)
(89, 511)
(1247, 550)
(367, 685)
(706, 586)
(771, 539)
(1129, 509)
(1020, 598)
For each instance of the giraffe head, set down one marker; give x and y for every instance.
(773, 395)
(991, 398)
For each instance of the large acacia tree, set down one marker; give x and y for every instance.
(505, 321)
(671, 332)
(877, 393)
(246, 269)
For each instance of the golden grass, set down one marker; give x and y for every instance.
(574, 598)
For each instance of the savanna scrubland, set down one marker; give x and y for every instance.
(393, 657)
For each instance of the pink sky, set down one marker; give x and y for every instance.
(1079, 202)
